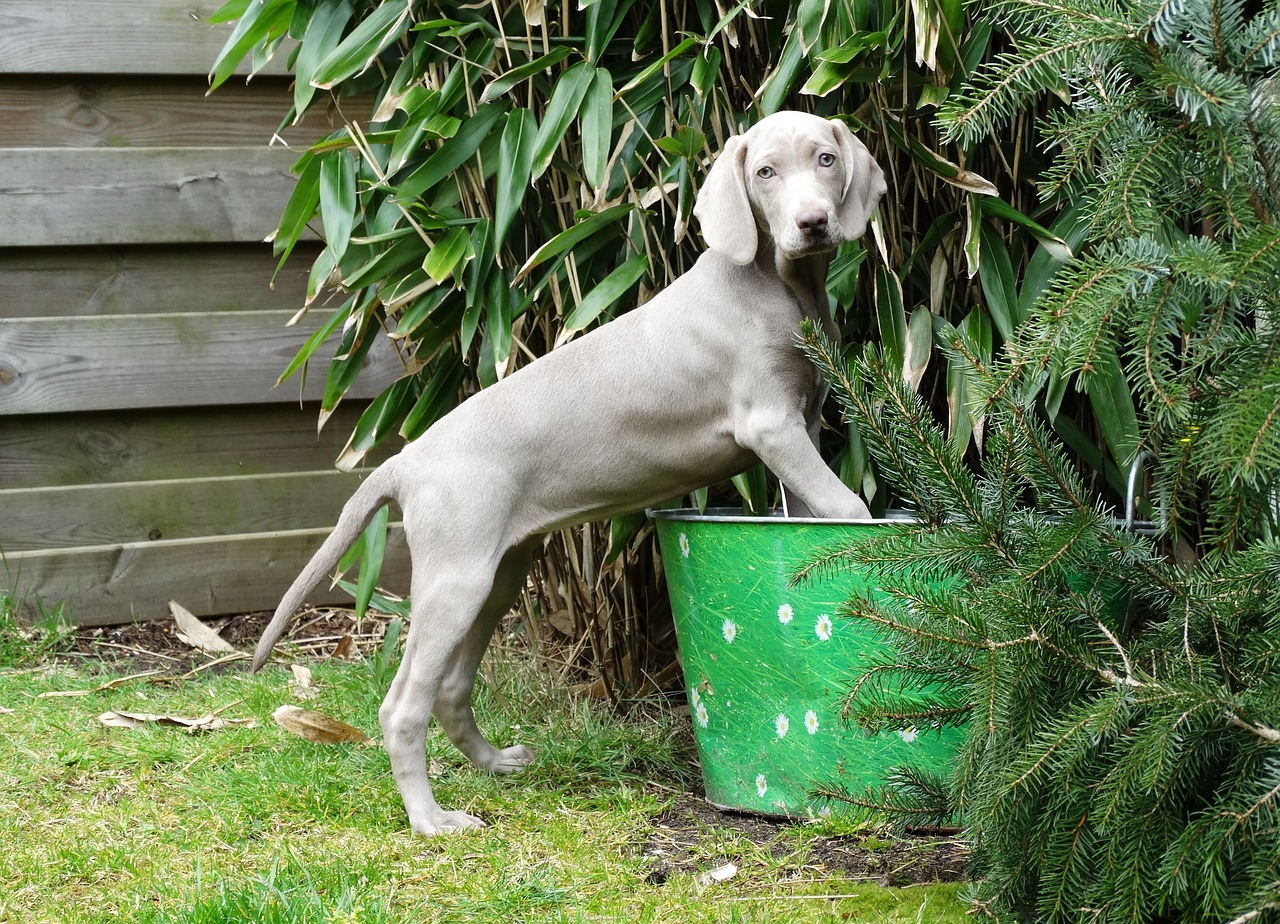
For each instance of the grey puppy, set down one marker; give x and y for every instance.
(689, 389)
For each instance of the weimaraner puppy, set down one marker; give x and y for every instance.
(689, 389)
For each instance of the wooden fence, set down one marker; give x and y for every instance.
(144, 453)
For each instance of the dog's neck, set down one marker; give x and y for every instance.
(805, 277)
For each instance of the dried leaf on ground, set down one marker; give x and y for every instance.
(195, 633)
(719, 874)
(303, 685)
(346, 649)
(193, 726)
(318, 727)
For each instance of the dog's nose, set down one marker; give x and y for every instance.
(812, 221)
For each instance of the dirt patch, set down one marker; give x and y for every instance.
(693, 836)
(315, 632)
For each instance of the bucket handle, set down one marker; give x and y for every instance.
(1131, 492)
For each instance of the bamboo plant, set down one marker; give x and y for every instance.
(503, 177)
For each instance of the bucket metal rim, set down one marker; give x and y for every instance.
(776, 518)
(773, 518)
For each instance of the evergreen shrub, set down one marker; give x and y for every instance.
(1122, 691)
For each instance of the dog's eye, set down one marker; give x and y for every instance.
(826, 159)
(765, 173)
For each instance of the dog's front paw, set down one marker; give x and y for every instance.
(441, 822)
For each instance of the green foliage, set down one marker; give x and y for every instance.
(503, 177)
(1169, 150)
(1121, 691)
(1123, 754)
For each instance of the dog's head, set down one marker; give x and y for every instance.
(804, 181)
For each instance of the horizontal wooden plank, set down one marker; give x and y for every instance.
(108, 585)
(112, 111)
(66, 196)
(91, 281)
(51, 365)
(81, 449)
(113, 37)
(176, 508)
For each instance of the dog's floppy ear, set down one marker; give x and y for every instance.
(863, 183)
(723, 209)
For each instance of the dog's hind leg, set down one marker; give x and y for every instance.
(445, 606)
(453, 703)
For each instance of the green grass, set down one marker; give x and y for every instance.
(253, 824)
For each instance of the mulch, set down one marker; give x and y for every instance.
(315, 632)
(683, 836)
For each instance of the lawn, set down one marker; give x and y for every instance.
(251, 823)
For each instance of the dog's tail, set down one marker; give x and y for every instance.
(373, 493)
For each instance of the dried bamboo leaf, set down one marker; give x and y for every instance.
(318, 727)
(195, 633)
(192, 726)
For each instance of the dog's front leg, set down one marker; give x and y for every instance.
(784, 445)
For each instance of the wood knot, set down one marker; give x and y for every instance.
(8, 375)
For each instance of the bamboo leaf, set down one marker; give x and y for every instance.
(656, 66)
(321, 271)
(808, 22)
(566, 101)
(515, 166)
(477, 279)
(574, 235)
(609, 290)
(338, 199)
(439, 395)
(917, 347)
(891, 317)
(323, 34)
(596, 121)
(1057, 247)
(318, 337)
(503, 84)
(498, 321)
(706, 70)
(1000, 293)
(603, 22)
(451, 155)
(380, 418)
(443, 258)
(621, 530)
(972, 235)
(356, 342)
(1113, 408)
(230, 11)
(933, 161)
(1043, 264)
(302, 205)
(355, 53)
(375, 546)
(261, 21)
(783, 77)
(402, 253)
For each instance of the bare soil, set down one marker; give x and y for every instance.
(682, 837)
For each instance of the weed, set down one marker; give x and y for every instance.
(27, 644)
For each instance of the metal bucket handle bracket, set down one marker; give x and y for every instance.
(1131, 522)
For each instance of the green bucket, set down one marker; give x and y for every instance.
(768, 665)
